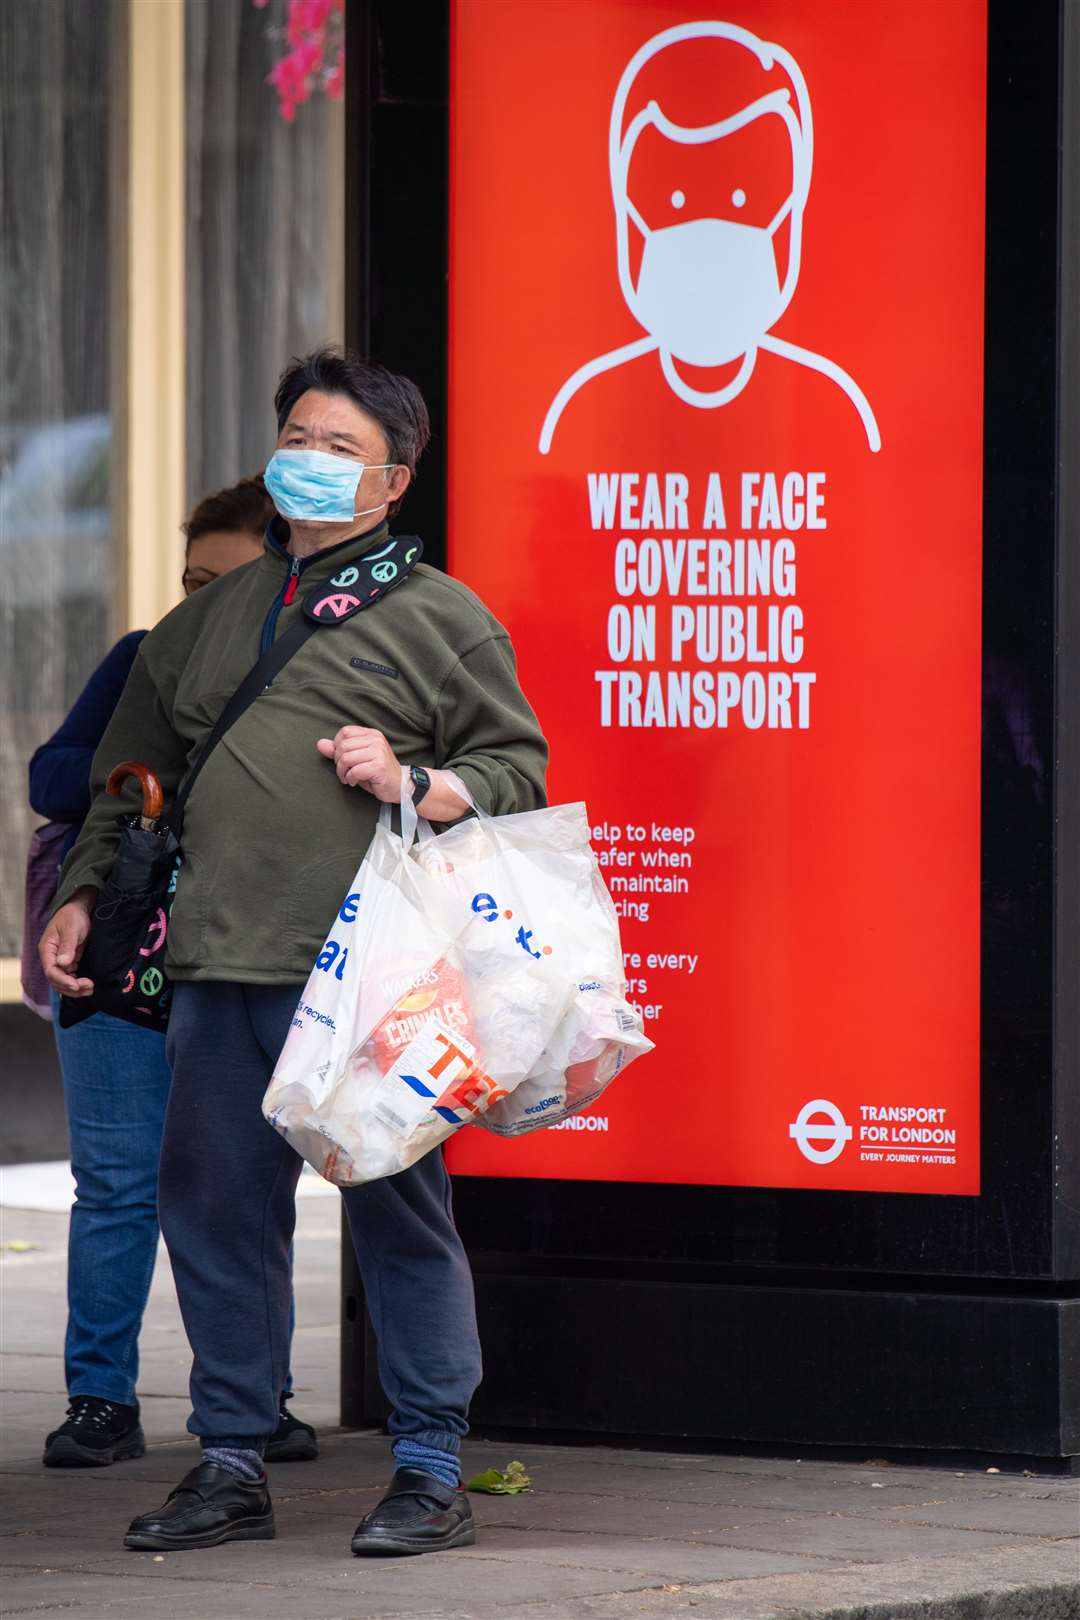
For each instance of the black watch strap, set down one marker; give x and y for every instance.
(421, 782)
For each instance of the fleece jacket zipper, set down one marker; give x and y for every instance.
(287, 593)
(282, 599)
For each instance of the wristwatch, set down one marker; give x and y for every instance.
(421, 784)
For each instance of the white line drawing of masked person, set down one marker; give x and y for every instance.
(708, 290)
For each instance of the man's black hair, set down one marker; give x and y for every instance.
(394, 402)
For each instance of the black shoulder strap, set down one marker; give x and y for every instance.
(257, 679)
(350, 591)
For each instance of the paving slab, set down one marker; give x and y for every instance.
(1051, 1518)
(343, 1585)
(849, 1489)
(1005, 1587)
(328, 1524)
(820, 1534)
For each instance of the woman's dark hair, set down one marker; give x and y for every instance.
(243, 508)
(394, 402)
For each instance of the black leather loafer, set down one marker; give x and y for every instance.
(208, 1506)
(418, 1514)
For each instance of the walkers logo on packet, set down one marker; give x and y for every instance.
(436, 995)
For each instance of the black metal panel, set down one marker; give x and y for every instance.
(396, 213)
(876, 1370)
(905, 1371)
(1067, 695)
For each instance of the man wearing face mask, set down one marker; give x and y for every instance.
(273, 833)
(703, 270)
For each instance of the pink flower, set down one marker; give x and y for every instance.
(309, 17)
(297, 24)
(308, 56)
(297, 74)
(292, 82)
(282, 76)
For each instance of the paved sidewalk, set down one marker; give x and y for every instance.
(613, 1535)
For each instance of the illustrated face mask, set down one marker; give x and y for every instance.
(708, 289)
(313, 487)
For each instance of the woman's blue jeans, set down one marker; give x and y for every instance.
(116, 1086)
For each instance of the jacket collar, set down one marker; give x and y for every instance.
(326, 562)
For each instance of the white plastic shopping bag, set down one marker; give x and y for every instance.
(537, 873)
(473, 977)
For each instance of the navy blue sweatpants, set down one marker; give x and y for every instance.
(226, 1206)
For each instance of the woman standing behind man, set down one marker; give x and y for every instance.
(116, 1080)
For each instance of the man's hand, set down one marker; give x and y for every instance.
(62, 943)
(364, 758)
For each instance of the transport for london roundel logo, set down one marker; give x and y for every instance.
(832, 1132)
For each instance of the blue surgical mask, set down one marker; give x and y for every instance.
(312, 487)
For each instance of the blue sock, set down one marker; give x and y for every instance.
(445, 1465)
(239, 1461)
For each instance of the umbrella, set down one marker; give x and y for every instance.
(125, 952)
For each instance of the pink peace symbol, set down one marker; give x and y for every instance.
(129, 983)
(159, 927)
(338, 605)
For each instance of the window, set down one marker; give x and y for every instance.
(265, 234)
(90, 283)
(57, 558)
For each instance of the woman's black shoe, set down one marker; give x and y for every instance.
(95, 1434)
(291, 1441)
(418, 1514)
(208, 1506)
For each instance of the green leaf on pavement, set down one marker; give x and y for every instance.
(506, 1481)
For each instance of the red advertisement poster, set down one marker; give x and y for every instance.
(716, 354)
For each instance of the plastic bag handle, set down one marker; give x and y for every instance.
(413, 827)
(463, 793)
(410, 821)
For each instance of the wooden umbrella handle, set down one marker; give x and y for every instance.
(153, 799)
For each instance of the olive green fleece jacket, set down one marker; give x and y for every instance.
(271, 838)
